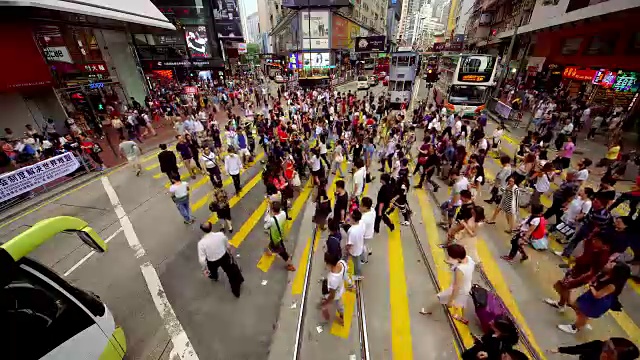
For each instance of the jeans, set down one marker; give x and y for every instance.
(337, 167)
(236, 183)
(357, 265)
(183, 208)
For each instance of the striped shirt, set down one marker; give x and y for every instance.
(600, 219)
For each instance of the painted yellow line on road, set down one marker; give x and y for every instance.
(349, 301)
(155, 154)
(443, 272)
(205, 178)
(267, 260)
(622, 318)
(492, 270)
(401, 343)
(234, 199)
(248, 225)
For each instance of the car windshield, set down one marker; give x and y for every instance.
(362, 78)
(467, 95)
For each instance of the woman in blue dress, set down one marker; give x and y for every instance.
(601, 297)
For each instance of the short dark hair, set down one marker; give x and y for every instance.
(537, 209)
(163, 146)
(331, 259)
(275, 206)
(466, 194)
(505, 159)
(334, 225)
(456, 251)
(366, 202)
(356, 215)
(340, 184)
(206, 227)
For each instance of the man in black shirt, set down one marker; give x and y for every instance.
(168, 162)
(431, 163)
(341, 208)
(385, 194)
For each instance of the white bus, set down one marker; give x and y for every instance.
(466, 82)
(402, 72)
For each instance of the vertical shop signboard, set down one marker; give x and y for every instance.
(626, 81)
(339, 32)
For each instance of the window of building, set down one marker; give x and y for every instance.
(571, 46)
(581, 4)
(602, 44)
(633, 47)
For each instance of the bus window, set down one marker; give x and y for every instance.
(412, 60)
(392, 85)
(408, 85)
(403, 61)
(38, 316)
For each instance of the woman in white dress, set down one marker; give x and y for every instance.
(457, 296)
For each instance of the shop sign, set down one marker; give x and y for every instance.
(574, 73)
(438, 47)
(58, 54)
(190, 90)
(30, 177)
(626, 81)
(242, 48)
(370, 43)
(455, 46)
(94, 68)
(604, 78)
(474, 78)
(98, 85)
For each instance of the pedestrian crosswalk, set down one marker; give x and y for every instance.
(394, 249)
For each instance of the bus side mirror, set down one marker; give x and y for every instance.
(92, 239)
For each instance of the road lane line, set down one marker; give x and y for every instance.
(401, 343)
(626, 323)
(266, 260)
(437, 254)
(248, 225)
(234, 199)
(181, 344)
(125, 222)
(90, 254)
(494, 275)
(186, 175)
(298, 280)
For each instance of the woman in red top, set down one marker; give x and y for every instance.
(89, 148)
(286, 191)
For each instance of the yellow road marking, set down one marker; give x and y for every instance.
(298, 281)
(246, 228)
(266, 260)
(495, 277)
(622, 318)
(401, 343)
(349, 301)
(442, 271)
(205, 178)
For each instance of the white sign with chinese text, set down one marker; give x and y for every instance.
(30, 177)
(58, 53)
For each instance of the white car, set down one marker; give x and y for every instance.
(363, 82)
(279, 79)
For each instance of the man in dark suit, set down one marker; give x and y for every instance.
(168, 162)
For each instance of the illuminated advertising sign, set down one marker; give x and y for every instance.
(197, 41)
(474, 78)
(572, 72)
(293, 61)
(604, 78)
(316, 60)
(626, 81)
(370, 43)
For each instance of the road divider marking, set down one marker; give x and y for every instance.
(349, 301)
(236, 199)
(401, 343)
(266, 260)
(125, 222)
(443, 273)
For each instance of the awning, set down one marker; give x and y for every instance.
(132, 11)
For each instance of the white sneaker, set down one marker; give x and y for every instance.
(357, 277)
(559, 253)
(404, 223)
(570, 329)
(555, 304)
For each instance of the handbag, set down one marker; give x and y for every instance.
(479, 295)
(97, 149)
(213, 207)
(296, 180)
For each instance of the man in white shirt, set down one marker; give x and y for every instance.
(214, 251)
(450, 206)
(359, 178)
(368, 221)
(355, 243)
(233, 165)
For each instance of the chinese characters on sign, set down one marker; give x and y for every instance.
(626, 81)
(30, 177)
(474, 78)
(574, 73)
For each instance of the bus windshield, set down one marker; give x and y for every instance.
(467, 95)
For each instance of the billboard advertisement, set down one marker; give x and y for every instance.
(339, 32)
(197, 41)
(229, 29)
(315, 3)
(316, 60)
(315, 24)
(315, 44)
(370, 43)
(354, 32)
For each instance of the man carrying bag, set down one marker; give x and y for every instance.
(214, 251)
(275, 226)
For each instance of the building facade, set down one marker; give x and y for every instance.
(71, 63)
(253, 28)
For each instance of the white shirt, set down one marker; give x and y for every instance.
(458, 127)
(212, 247)
(180, 190)
(209, 160)
(576, 207)
(356, 239)
(358, 181)
(567, 129)
(335, 281)
(543, 184)
(461, 184)
(315, 163)
(368, 220)
(582, 175)
(232, 164)
(483, 144)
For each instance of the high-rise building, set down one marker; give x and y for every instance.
(253, 28)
